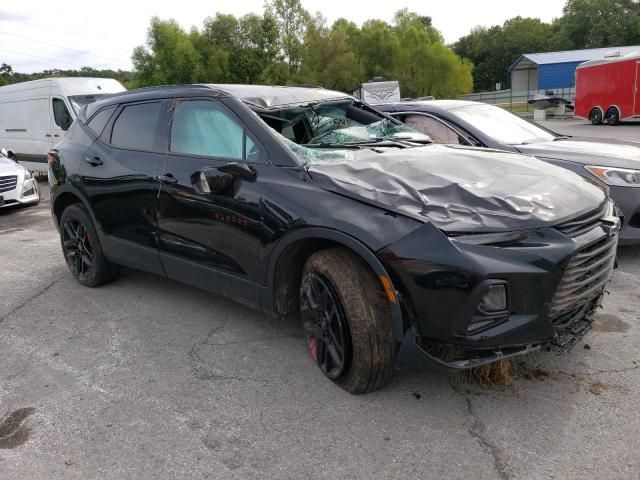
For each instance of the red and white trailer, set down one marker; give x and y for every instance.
(608, 90)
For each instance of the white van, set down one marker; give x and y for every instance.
(34, 115)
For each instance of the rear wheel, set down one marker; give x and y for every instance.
(347, 321)
(82, 249)
(595, 117)
(612, 117)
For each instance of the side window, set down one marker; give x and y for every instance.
(100, 119)
(438, 131)
(61, 114)
(135, 127)
(205, 128)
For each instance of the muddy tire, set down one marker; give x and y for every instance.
(360, 319)
(82, 249)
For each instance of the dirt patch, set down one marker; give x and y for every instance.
(13, 428)
(598, 387)
(606, 322)
(536, 374)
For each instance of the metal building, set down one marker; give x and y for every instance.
(555, 70)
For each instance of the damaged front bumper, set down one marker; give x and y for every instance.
(476, 299)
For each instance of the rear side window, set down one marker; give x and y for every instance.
(100, 119)
(135, 127)
(205, 128)
(61, 114)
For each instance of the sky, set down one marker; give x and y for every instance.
(66, 34)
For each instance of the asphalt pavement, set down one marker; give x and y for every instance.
(147, 378)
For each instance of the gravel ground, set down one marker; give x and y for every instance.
(147, 378)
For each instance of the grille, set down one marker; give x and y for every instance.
(583, 279)
(584, 223)
(8, 183)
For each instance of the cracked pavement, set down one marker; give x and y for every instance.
(148, 378)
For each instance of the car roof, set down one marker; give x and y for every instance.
(263, 97)
(428, 105)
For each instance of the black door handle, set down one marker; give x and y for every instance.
(167, 179)
(47, 134)
(93, 161)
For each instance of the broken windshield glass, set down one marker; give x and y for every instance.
(314, 156)
(335, 123)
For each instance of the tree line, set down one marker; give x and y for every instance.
(288, 45)
(584, 24)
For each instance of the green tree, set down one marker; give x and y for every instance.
(169, 56)
(425, 65)
(493, 50)
(600, 23)
(292, 21)
(329, 56)
(6, 72)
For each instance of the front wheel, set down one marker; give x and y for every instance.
(347, 322)
(82, 249)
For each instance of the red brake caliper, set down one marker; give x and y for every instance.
(313, 348)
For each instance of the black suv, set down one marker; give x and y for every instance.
(303, 201)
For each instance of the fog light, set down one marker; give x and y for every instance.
(495, 300)
(491, 310)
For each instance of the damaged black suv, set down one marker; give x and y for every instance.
(305, 202)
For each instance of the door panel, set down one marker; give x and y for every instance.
(206, 215)
(220, 230)
(122, 187)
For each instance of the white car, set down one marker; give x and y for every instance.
(17, 185)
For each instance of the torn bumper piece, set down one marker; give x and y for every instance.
(469, 304)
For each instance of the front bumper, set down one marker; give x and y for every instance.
(25, 193)
(551, 294)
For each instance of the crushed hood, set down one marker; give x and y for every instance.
(607, 153)
(461, 189)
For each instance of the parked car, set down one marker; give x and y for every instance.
(17, 185)
(306, 202)
(608, 89)
(613, 163)
(35, 115)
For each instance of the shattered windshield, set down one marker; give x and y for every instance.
(315, 156)
(337, 124)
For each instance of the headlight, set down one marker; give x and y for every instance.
(27, 174)
(621, 177)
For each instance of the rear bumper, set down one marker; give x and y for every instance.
(551, 295)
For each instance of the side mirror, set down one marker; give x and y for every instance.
(221, 180)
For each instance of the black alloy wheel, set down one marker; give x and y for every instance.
(77, 248)
(82, 249)
(325, 326)
(596, 117)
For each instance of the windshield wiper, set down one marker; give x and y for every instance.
(351, 145)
